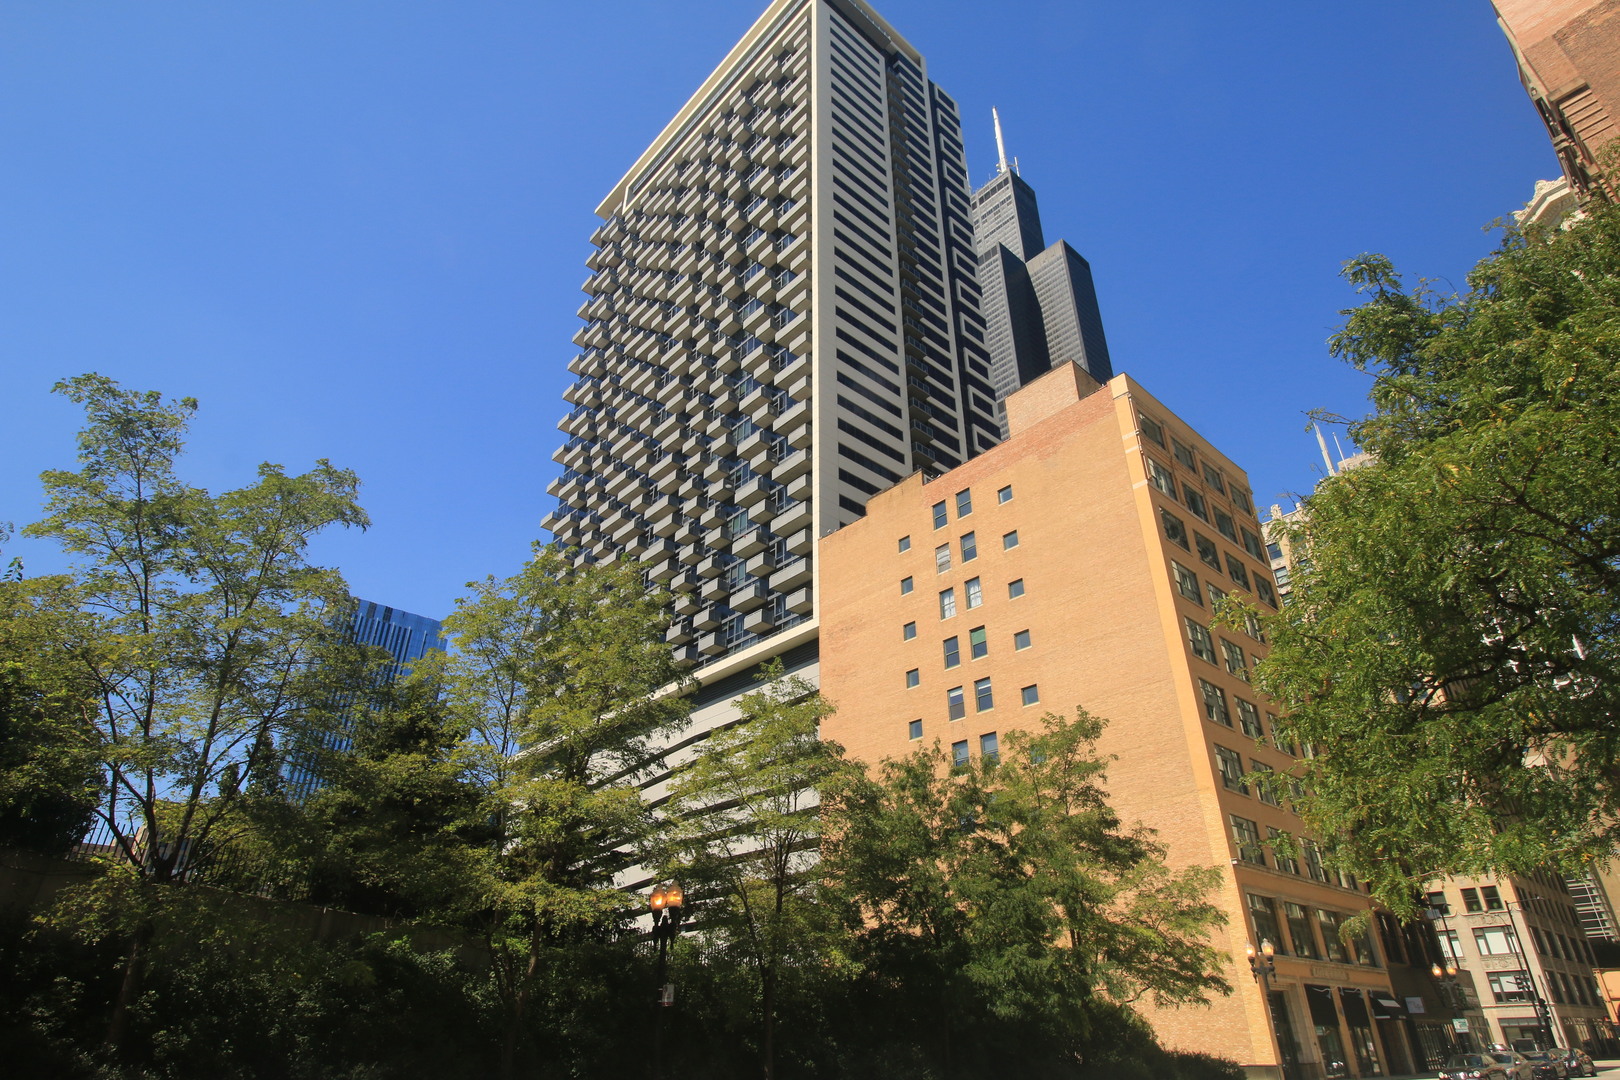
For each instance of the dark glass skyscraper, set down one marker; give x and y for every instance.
(1040, 306)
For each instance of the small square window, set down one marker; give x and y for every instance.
(905, 543)
(914, 729)
(1236, 570)
(964, 503)
(989, 746)
(1031, 695)
(1005, 494)
(940, 520)
(905, 586)
(1212, 477)
(913, 678)
(1009, 540)
(1186, 583)
(908, 631)
(1249, 719)
(970, 547)
(953, 652)
(978, 644)
(1227, 527)
(1207, 551)
(942, 558)
(1251, 544)
(955, 703)
(1236, 663)
(1021, 639)
(1159, 476)
(1015, 589)
(1195, 501)
(975, 592)
(1216, 596)
(1214, 703)
(1174, 530)
(947, 603)
(1203, 646)
(1151, 428)
(959, 754)
(1182, 452)
(983, 700)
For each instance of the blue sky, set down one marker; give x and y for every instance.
(356, 229)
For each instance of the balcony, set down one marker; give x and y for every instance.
(793, 574)
(759, 621)
(751, 542)
(750, 596)
(754, 491)
(796, 515)
(789, 464)
(800, 601)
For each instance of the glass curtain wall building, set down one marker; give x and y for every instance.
(783, 319)
(406, 638)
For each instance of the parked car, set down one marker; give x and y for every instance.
(1547, 1065)
(1577, 1061)
(1518, 1066)
(1473, 1067)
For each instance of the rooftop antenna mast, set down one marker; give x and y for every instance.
(1001, 147)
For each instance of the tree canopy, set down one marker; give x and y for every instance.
(1451, 649)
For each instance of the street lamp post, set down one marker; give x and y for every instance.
(1549, 1037)
(1263, 967)
(668, 908)
(1451, 994)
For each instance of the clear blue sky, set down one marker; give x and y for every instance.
(357, 229)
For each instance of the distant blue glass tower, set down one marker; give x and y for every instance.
(406, 638)
(1040, 306)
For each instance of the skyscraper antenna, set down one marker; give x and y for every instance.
(1327, 459)
(1001, 147)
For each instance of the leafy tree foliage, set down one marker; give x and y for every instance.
(197, 623)
(1452, 649)
(561, 675)
(747, 828)
(1012, 894)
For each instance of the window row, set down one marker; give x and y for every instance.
(1232, 655)
(1232, 567)
(983, 698)
(1267, 788)
(1185, 457)
(1216, 709)
(1309, 933)
(1286, 853)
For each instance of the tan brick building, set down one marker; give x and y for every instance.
(1076, 565)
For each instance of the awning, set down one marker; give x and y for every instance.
(1355, 1007)
(1385, 1007)
(1323, 1012)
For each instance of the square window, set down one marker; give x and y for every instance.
(913, 678)
(1009, 540)
(942, 558)
(914, 729)
(1182, 452)
(905, 543)
(1005, 494)
(1207, 551)
(955, 703)
(1231, 765)
(978, 644)
(939, 515)
(1151, 428)
(1195, 501)
(1471, 900)
(1214, 703)
(975, 592)
(1015, 589)
(1021, 639)
(947, 603)
(1203, 646)
(1247, 836)
(970, 547)
(982, 698)
(989, 746)
(1263, 589)
(1212, 477)
(1174, 530)
(1227, 527)
(1242, 499)
(953, 652)
(1031, 695)
(905, 586)
(1249, 719)
(1216, 596)
(1186, 583)
(1236, 663)
(1251, 544)
(1252, 624)
(1160, 477)
(908, 631)
(1265, 787)
(1282, 846)
(959, 754)
(1237, 571)
(1492, 898)
(964, 503)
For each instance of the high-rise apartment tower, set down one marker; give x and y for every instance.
(783, 321)
(1040, 305)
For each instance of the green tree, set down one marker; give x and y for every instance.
(195, 621)
(747, 829)
(1451, 652)
(561, 675)
(1008, 892)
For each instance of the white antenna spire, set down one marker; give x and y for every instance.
(1001, 147)
(1327, 458)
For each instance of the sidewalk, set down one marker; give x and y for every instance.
(1605, 1067)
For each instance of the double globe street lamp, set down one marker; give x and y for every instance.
(668, 903)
